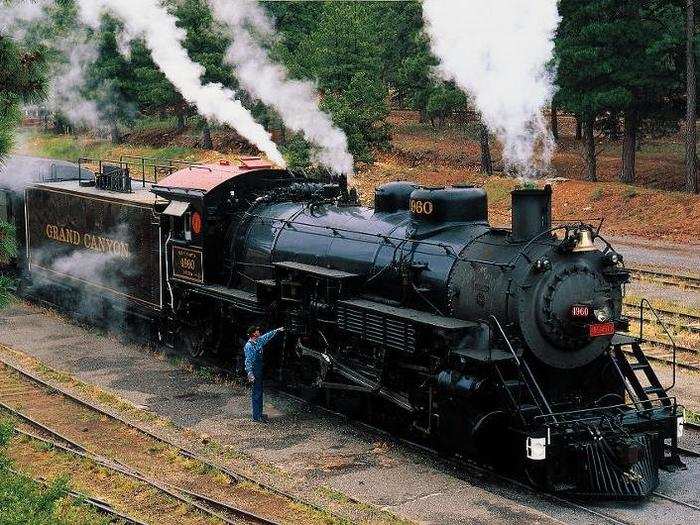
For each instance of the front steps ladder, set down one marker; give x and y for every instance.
(643, 384)
(527, 379)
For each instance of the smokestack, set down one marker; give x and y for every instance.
(532, 212)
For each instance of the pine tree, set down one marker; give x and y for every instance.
(619, 56)
(22, 80)
(344, 53)
(691, 169)
(108, 79)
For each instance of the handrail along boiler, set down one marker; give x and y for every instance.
(495, 342)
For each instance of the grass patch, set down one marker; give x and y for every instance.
(629, 193)
(154, 122)
(672, 306)
(334, 495)
(692, 417)
(206, 373)
(597, 194)
(71, 148)
(498, 190)
(24, 501)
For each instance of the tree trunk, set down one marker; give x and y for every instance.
(590, 150)
(579, 128)
(629, 146)
(691, 178)
(422, 116)
(486, 163)
(114, 134)
(614, 127)
(283, 133)
(181, 119)
(554, 122)
(206, 136)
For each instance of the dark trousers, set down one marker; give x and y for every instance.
(256, 397)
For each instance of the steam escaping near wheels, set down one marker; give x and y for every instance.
(296, 101)
(149, 20)
(499, 51)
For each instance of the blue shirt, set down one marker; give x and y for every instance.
(253, 351)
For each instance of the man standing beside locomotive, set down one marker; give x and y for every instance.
(253, 351)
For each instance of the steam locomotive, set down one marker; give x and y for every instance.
(502, 344)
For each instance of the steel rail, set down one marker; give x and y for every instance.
(667, 360)
(689, 452)
(183, 451)
(666, 278)
(174, 491)
(94, 502)
(691, 318)
(676, 324)
(674, 500)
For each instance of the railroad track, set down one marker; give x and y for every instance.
(204, 503)
(688, 358)
(199, 501)
(678, 320)
(687, 451)
(102, 506)
(456, 463)
(662, 352)
(459, 464)
(689, 282)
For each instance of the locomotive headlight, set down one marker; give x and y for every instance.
(542, 265)
(602, 315)
(613, 258)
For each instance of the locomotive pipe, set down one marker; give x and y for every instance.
(531, 212)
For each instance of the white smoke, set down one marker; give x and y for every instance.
(15, 17)
(149, 20)
(17, 172)
(68, 80)
(498, 51)
(93, 272)
(295, 101)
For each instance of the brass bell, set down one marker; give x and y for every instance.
(585, 241)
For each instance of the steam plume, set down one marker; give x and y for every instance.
(68, 80)
(14, 18)
(498, 51)
(296, 101)
(67, 77)
(148, 19)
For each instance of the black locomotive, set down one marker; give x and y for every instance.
(503, 344)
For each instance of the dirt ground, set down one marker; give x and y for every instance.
(652, 208)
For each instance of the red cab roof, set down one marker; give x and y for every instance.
(206, 177)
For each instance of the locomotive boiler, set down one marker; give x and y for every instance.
(503, 344)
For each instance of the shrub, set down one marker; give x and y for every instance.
(8, 249)
(630, 192)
